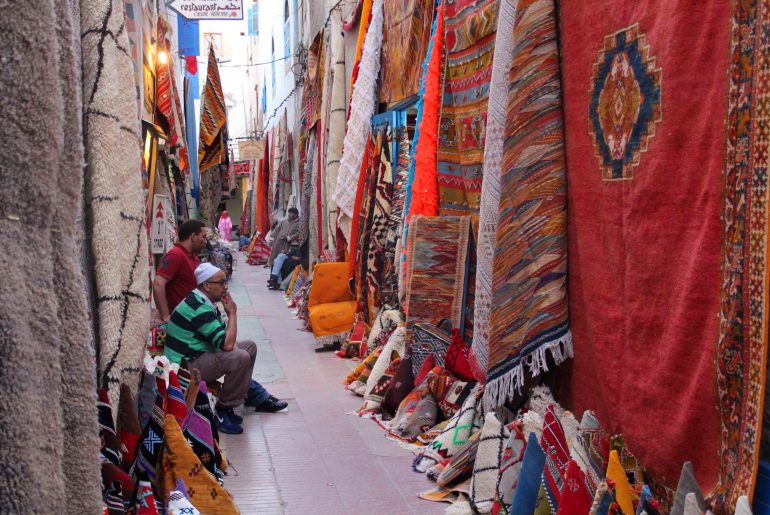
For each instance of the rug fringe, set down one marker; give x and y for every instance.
(331, 339)
(505, 387)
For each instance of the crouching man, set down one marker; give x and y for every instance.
(196, 332)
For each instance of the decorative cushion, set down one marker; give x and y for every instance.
(332, 318)
(456, 360)
(400, 386)
(352, 347)
(128, 428)
(180, 462)
(422, 373)
(557, 456)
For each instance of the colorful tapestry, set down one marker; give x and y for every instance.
(529, 283)
(436, 269)
(557, 456)
(406, 33)
(647, 92)
(470, 44)
(360, 227)
(362, 103)
(490, 187)
(393, 242)
(373, 221)
(213, 127)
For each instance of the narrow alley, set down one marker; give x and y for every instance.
(315, 458)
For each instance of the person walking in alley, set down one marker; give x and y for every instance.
(225, 226)
(175, 277)
(197, 333)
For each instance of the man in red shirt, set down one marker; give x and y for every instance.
(175, 278)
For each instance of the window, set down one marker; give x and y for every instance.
(286, 30)
(254, 19)
(272, 61)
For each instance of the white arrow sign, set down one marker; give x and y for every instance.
(208, 9)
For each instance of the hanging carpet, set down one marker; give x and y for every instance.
(667, 153)
(436, 269)
(213, 124)
(529, 323)
(490, 188)
(470, 44)
(405, 37)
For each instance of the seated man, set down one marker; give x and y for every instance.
(284, 265)
(196, 332)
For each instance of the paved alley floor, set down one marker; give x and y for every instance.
(315, 458)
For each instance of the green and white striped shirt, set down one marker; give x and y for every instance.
(195, 327)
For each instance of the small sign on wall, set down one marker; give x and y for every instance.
(159, 229)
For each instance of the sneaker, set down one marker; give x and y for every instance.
(227, 425)
(232, 414)
(272, 405)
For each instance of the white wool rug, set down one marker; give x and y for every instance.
(115, 200)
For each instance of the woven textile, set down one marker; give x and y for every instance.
(470, 44)
(213, 128)
(436, 269)
(557, 456)
(427, 340)
(697, 110)
(390, 282)
(490, 187)
(180, 462)
(406, 32)
(116, 228)
(530, 261)
(361, 110)
(489, 460)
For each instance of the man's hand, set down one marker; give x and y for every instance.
(229, 304)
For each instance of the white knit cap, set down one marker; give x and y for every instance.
(205, 271)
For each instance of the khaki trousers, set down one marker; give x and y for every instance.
(236, 365)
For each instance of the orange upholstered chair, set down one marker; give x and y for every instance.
(332, 308)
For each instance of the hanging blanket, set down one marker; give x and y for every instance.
(213, 123)
(392, 257)
(361, 110)
(668, 201)
(470, 45)
(490, 188)
(406, 33)
(373, 229)
(437, 264)
(530, 261)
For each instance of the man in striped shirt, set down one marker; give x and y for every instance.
(197, 333)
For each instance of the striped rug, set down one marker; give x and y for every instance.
(490, 188)
(530, 261)
(469, 44)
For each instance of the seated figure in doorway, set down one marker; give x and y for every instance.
(196, 332)
(286, 232)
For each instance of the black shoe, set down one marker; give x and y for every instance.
(329, 348)
(232, 414)
(225, 424)
(272, 405)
